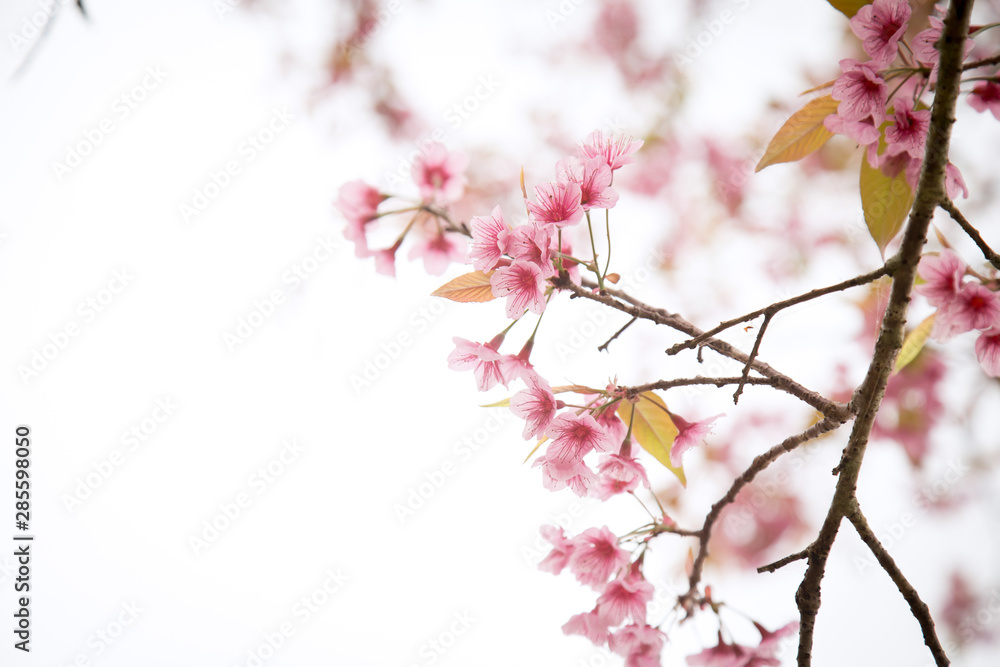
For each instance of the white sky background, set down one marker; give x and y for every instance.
(160, 338)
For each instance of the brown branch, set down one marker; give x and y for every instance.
(918, 608)
(759, 464)
(602, 348)
(868, 397)
(973, 233)
(627, 304)
(782, 562)
(992, 60)
(699, 380)
(753, 355)
(774, 308)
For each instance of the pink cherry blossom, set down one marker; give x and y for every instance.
(908, 131)
(924, 42)
(524, 286)
(484, 361)
(988, 351)
(619, 474)
(487, 248)
(689, 434)
(616, 152)
(573, 437)
(942, 276)
(590, 625)
(359, 203)
(536, 405)
(558, 204)
(976, 307)
(596, 557)
(531, 243)
(880, 26)
(954, 183)
(439, 174)
(438, 251)
(562, 548)
(986, 95)
(578, 478)
(613, 425)
(861, 90)
(625, 597)
(385, 260)
(518, 366)
(863, 131)
(594, 179)
(640, 644)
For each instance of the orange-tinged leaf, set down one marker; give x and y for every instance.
(504, 403)
(914, 342)
(848, 7)
(885, 201)
(652, 428)
(469, 288)
(801, 134)
(537, 445)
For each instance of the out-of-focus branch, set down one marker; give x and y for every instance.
(973, 233)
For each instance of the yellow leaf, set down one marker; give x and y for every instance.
(914, 342)
(848, 7)
(505, 403)
(885, 201)
(469, 288)
(801, 134)
(537, 445)
(652, 428)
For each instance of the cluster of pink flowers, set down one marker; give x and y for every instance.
(962, 305)
(895, 136)
(524, 257)
(440, 178)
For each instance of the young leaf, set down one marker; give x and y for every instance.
(537, 445)
(469, 288)
(504, 403)
(652, 428)
(801, 134)
(848, 7)
(914, 342)
(885, 201)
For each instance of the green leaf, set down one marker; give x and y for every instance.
(914, 342)
(802, 134)
(848, 7)
(652, 428)
(886, 202)
(468, 288)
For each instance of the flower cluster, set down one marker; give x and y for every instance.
(440, 179)
(895, 135)
(962, 305)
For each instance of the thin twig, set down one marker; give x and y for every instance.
(781, 305)
(618, 333)
(699, 380)
(753, 355)
(782, 562)
(992, 60)
(973, 233)
(918, 607)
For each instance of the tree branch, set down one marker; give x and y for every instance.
(918, 608)
(868, 397)
(973, 233)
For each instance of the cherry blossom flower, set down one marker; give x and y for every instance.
(385, 260)
(861, 131)
(524, 286)
(619, 474)
(640, 644)
(613, 425)
(594, 179)
(735, 655)
(975, 307)
(518, 366)
(440, 175)
(359, 203)
(861, 90)
(536, 405)
(590, 625)
(487, 247)
(578, 478)
(438, 251)
(988, 351)
(908, 132)
(912, 405)
(880, 26)
(986, 95)
(925, 49)
(596, 557)
(558, 204)
(615, 152)
(573, 437)
(625, 597)
(689, 434)
(531, 243)
(484, 360)
(942, 276)
(953, 182)
(562, 548)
